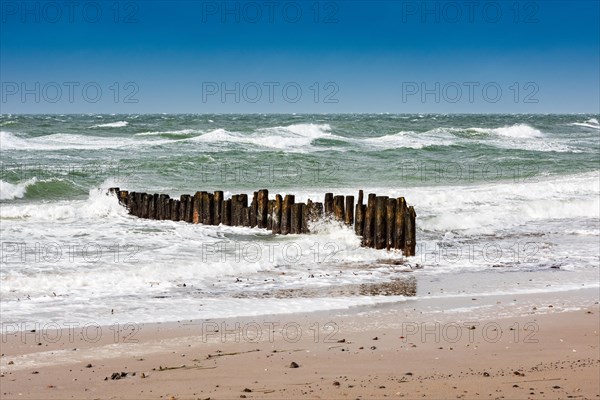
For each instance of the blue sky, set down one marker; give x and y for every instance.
(300, 56)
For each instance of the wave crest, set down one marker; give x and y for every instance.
(118, 124)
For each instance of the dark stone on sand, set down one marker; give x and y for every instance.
(294, 364)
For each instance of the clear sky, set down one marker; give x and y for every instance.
(300, 56)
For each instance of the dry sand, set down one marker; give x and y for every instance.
(517, 347)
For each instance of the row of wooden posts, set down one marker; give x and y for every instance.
(383, 222)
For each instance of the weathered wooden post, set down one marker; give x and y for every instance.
(131, 207)
(369, 229)
(226, 219)
(410, 232)
(286, 209)
(305, 218)
(139, 204)
(296, 218)
(218, 207)
(390, 223)
(163, 211)
(207, 208)
(317, 211)
(262, 208)
(197, 208)
(270, 214)
(123, 194)
(349, 215)
(359, 223)
(338, 208)
(152, 206)
(242, 204)
(174, 206)
(235, 211)
(328, 203)
(183, 206)
(189, 209)
(380, 217)
(399, 225)
(145, 205)
(253, 210)
(246, 216)
(277, 206)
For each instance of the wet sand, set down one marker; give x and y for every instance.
(526, 346)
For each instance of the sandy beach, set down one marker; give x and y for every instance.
(526, 346)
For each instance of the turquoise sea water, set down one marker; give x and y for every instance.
(501, 200)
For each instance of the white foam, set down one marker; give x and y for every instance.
(179, 132)
(118, 124)
(298, 137)
(63, 141)
(412, 140)
(10, 191)
(590, 123)
(519, 131)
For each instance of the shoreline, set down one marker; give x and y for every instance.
(435, 349)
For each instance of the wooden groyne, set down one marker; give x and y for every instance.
(382, 223)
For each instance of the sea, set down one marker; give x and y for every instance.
(506, 204)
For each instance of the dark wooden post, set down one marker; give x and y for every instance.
(349, 211)
(242, 204)
(145, 205)
(189, 209)
(317, 211)
(174, 205)
(235, 211)
(183, 206)
(207, 208)
(277, 206)
(246, 216)
(226, 219)
(123, 194)
(162, 207)
(390, 223)
(152, 206)
(328, 204)
(359, 223)
(131, 203)
(369, 229)
(197, 210)
(410, 232)
(253, 210)
(380, 217)
(399, 226)
(218, 205)
(270, 215)
(305, 217)
(286, 209)
(296, 218)
(139, 204)
(262, 208)
(338, 208)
